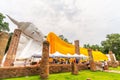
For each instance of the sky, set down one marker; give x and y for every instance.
(88, 21)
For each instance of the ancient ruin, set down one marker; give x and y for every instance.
(4, 37)
(91, 60)
(44, 73)
(77, 50)
(11, 53)
(27, 39)
(112, 61)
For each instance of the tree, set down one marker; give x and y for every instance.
(3, 25)
(94, 47)
(86, 46)
(65, 39)
(112, 43)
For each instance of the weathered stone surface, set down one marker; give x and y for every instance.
(111, 57)
(9, 72)
(74, 68)
(91, 61)
(77, 48)
(45, 61)
(106, 67)
(4, 37)
(12, 48)
(112, 62)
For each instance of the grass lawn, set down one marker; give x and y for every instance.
(83, 75)
(117, 69)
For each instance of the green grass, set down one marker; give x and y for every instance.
(117, 69)
(83, 75)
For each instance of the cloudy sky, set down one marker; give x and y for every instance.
(86, 20)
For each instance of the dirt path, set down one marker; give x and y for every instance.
(114, 71)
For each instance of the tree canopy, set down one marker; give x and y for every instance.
(112, 43)
(4, 26)
(65, 39)
(94, 47)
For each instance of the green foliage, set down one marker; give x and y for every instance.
(93, 47)
(112, 43)
(3, 25)
(116, 69)
(65, 39)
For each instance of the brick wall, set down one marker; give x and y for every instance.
(3, 43)
(12, 48)
(35, 70)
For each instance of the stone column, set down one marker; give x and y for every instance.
(74, 68)
(4, 37)
(44, 66)
(77, 48)
(112, 59)
(91, 60)
(12, 48)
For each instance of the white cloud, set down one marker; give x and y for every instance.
(86, 20)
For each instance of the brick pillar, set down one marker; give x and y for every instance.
(112, 59)
(44, 66)
(74, 68)
(91, 60)
(4, 37)
(12, 48)
(77, 48)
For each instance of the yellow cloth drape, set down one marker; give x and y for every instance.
(56, 44)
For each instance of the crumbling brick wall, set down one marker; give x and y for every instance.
(35, 70)
(4, 37)
(12, 48)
